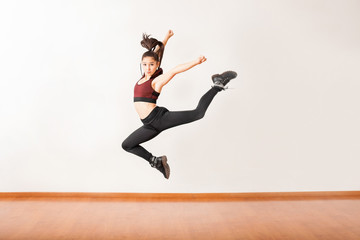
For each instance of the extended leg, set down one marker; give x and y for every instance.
(172, 119)
(176, 118)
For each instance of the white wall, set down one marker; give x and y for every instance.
(289, 123)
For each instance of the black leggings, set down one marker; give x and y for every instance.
(161, 119)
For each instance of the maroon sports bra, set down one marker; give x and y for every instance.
(144, 92)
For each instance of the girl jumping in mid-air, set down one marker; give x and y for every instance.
(156, 119)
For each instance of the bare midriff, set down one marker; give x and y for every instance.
(144, 108)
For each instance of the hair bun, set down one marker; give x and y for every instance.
(149, 43)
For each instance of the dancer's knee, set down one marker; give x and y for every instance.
(126, 146)
(199, 114)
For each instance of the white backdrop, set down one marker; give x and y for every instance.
(289, 123)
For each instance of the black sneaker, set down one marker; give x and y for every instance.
(160, 163)
(220, 80)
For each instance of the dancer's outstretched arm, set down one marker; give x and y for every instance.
(168, 35)
(163, 79)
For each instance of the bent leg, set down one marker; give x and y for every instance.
(176, 118)
(132, 142)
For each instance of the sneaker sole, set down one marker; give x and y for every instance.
(229, 74)
(166, 166)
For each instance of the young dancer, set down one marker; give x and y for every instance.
(156, 119)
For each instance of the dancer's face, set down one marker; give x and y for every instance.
(149, 65)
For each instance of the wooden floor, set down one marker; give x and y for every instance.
(50, 218)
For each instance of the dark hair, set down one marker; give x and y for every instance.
(150, 44)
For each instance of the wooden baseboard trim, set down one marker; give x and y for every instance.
(189, 196)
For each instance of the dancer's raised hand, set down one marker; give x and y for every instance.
(201, 59)
(170, 33)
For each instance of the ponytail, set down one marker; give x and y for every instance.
(150, 44)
